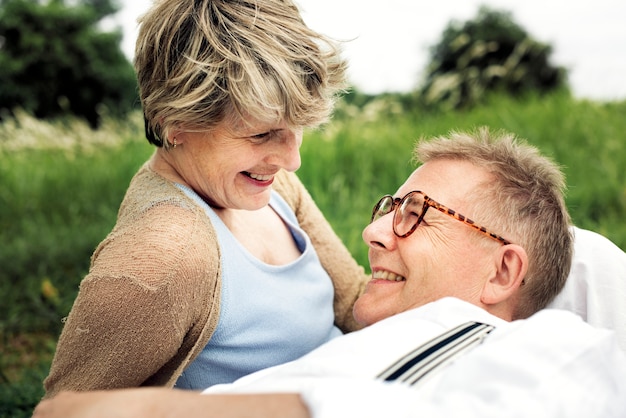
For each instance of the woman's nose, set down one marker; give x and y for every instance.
(287, 151)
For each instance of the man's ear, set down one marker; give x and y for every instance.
(511, 265)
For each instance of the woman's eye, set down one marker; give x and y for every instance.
(262, 137)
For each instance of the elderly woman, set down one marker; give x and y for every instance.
(220, 263)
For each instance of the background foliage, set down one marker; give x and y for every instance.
(488, 53)
(55, 59)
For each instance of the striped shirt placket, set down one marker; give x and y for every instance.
(436, 353)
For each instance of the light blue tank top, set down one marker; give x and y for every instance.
(268, 314)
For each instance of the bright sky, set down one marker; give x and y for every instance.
(388, 40)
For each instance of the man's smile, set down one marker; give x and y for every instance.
(387, 275)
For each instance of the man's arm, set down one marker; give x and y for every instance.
(166, 403)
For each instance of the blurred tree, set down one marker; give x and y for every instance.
(488, 53)
(55, 59)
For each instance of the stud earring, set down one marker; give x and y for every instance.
(175, 142)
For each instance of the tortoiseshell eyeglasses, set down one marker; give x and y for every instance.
(410, 211)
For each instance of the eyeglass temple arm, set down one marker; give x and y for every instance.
(466, 221)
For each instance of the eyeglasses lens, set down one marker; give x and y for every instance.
(384, 206)
(409, 213)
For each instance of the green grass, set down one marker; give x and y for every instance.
(62, 185)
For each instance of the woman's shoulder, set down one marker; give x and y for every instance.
(159, 230)
(155, 207)
(148, 189)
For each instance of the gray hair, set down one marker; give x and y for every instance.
(199, 62)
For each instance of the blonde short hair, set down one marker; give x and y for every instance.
(201, 61)
(524, 203)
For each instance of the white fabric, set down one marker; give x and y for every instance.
(596, 287)
(550, 365)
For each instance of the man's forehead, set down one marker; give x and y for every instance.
(445, 179)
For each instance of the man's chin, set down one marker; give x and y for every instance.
(365, 313)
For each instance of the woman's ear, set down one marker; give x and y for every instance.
(175, 136)
(172, 139)
(511, 262)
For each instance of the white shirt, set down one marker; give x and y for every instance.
(596, 287)
(550, 365)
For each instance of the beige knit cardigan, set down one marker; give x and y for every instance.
(151, 299)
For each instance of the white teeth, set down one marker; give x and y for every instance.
(387, 275)
(261, 177)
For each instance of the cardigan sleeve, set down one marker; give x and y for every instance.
(349, 278)
(140, 312)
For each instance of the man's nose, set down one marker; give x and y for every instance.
(379, 234)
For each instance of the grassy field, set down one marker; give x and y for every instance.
(62, 185)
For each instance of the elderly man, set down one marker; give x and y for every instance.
(464, 258)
